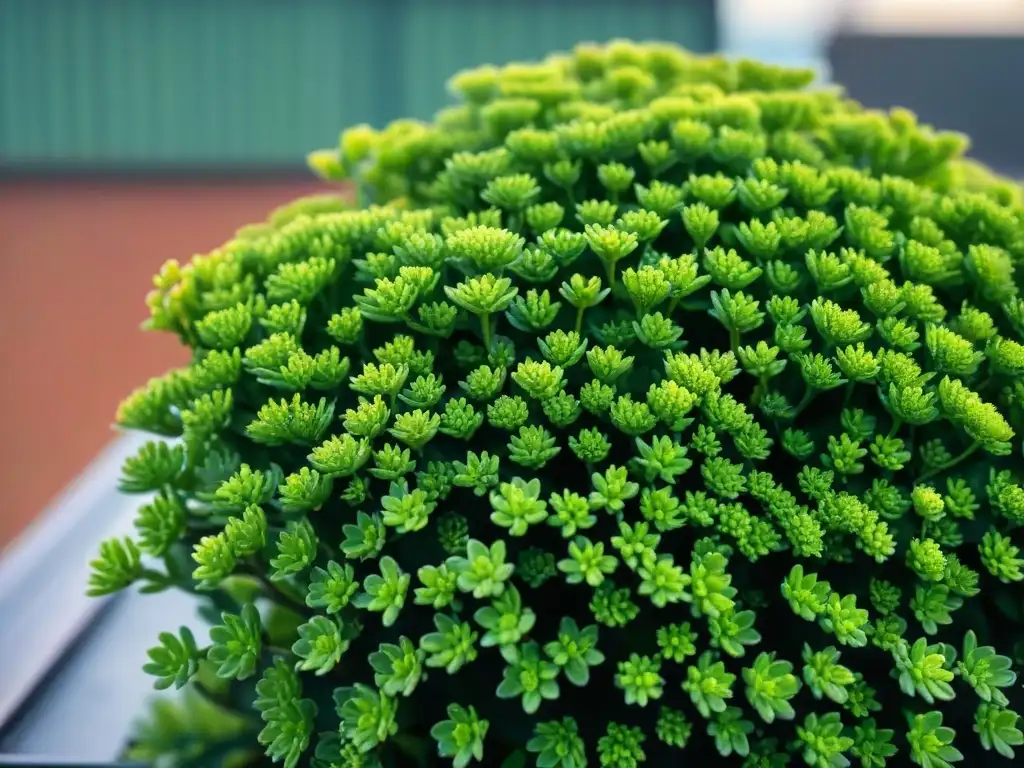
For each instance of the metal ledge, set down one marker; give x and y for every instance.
(70, 666)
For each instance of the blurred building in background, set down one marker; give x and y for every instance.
(956, 63)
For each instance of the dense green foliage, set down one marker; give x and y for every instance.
(648, 408)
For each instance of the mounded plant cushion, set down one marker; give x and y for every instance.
(648, 408)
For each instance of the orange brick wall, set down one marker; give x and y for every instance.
(76, 259)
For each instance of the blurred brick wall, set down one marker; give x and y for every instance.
(76, 259)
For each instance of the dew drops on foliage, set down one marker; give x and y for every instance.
(646, 408)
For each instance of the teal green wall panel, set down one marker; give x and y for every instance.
(212, 83)
(186, 81)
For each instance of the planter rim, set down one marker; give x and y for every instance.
(44, 573)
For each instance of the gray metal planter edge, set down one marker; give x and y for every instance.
(71, 683)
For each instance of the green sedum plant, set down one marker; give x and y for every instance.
(648, 408)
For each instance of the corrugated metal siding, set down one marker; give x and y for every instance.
(189, 81)
(109, 83)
